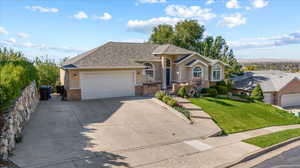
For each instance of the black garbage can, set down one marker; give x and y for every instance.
(45, 91)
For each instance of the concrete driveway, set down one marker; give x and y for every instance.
(118, 132)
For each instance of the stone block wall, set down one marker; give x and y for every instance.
(13, 120)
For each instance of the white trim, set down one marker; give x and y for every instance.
(197, 61)
(202, 74)
(153, 69)
(191, 56)
(212, 74)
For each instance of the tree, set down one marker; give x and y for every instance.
(257, 93)
(48, 71)
(188, 34)
(162, 34)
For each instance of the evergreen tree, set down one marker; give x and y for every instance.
(257, 93)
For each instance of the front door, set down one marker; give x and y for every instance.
(168, 76)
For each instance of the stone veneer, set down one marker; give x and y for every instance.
(13, 120)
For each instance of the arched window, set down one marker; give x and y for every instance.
(168, 63)
(197, 72)
(216, 73)
(149, 70)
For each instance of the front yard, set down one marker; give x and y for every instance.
(236, 116)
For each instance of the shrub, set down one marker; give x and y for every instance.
(184, 111)
(204, 90)
(160, 94)
(166, 99)
(257, 93)
(212, 92)
(222, 90)
(182, 92)
(172, 102)
(221, 83)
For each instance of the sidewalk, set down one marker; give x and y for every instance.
(217, 151)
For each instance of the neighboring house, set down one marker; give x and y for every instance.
(118, 69)
(279, 88)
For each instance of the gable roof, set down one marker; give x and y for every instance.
(270, 81)
(125, 55)
(170, 49)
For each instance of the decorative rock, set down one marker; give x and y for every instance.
(15, 118)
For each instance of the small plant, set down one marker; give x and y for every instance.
(257, 93)
(212, 92)
(166, 99)
(182, 92)
(184, 111)
(222, 89)
(204, 90)
(221, 83)
(172, 102)
(160, 94)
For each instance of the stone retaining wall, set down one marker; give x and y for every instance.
(13, 120)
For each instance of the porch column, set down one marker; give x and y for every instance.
(163, 65)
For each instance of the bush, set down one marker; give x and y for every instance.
(16, 73)
(222, 90)
(257, 93)
(166, 99)
(172, 102)
(182, 92)
(221, 83)
(204, 90)
(184, 111)
(160, 94)
(212, 92)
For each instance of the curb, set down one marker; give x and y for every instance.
(164, 105)
(259, 153)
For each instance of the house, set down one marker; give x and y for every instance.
(118, 69)
(279, 88)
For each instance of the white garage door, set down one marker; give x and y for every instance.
(290, 100)
(268, 98)
(106, 84)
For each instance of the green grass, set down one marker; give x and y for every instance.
(273, 138)
(236, 116)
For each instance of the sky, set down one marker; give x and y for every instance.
(65, 28)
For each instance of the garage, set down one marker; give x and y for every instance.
(268, 98)
(290, 100)
(96, 85)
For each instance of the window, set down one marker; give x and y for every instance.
(197, 72)
(149, 72)
(216, 73)
(168, 63)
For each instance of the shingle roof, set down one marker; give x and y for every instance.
(123, 54)
(270, 81)
(170, 49)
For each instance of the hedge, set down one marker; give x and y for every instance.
(16, 72)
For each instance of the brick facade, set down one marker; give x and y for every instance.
(74, 94)
(291, 88)
(147, 89)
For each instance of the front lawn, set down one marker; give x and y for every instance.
(237, 116)
(273, 138)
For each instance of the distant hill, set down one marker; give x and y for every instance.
(289, 65)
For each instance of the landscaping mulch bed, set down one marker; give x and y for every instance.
(8, 164)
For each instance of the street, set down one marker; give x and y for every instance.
(288, 159)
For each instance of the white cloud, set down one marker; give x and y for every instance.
(80, 15)
(3, 30)
(233, 4)
(145, 26)
(42, 9)
(134, 40)
(259, 3)
(248, 8)
(263, 42)
(105, 16)
(152, 1)
(209, 2)
(22, 35)
(13, 43)
(195, 12)
(232, 20)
